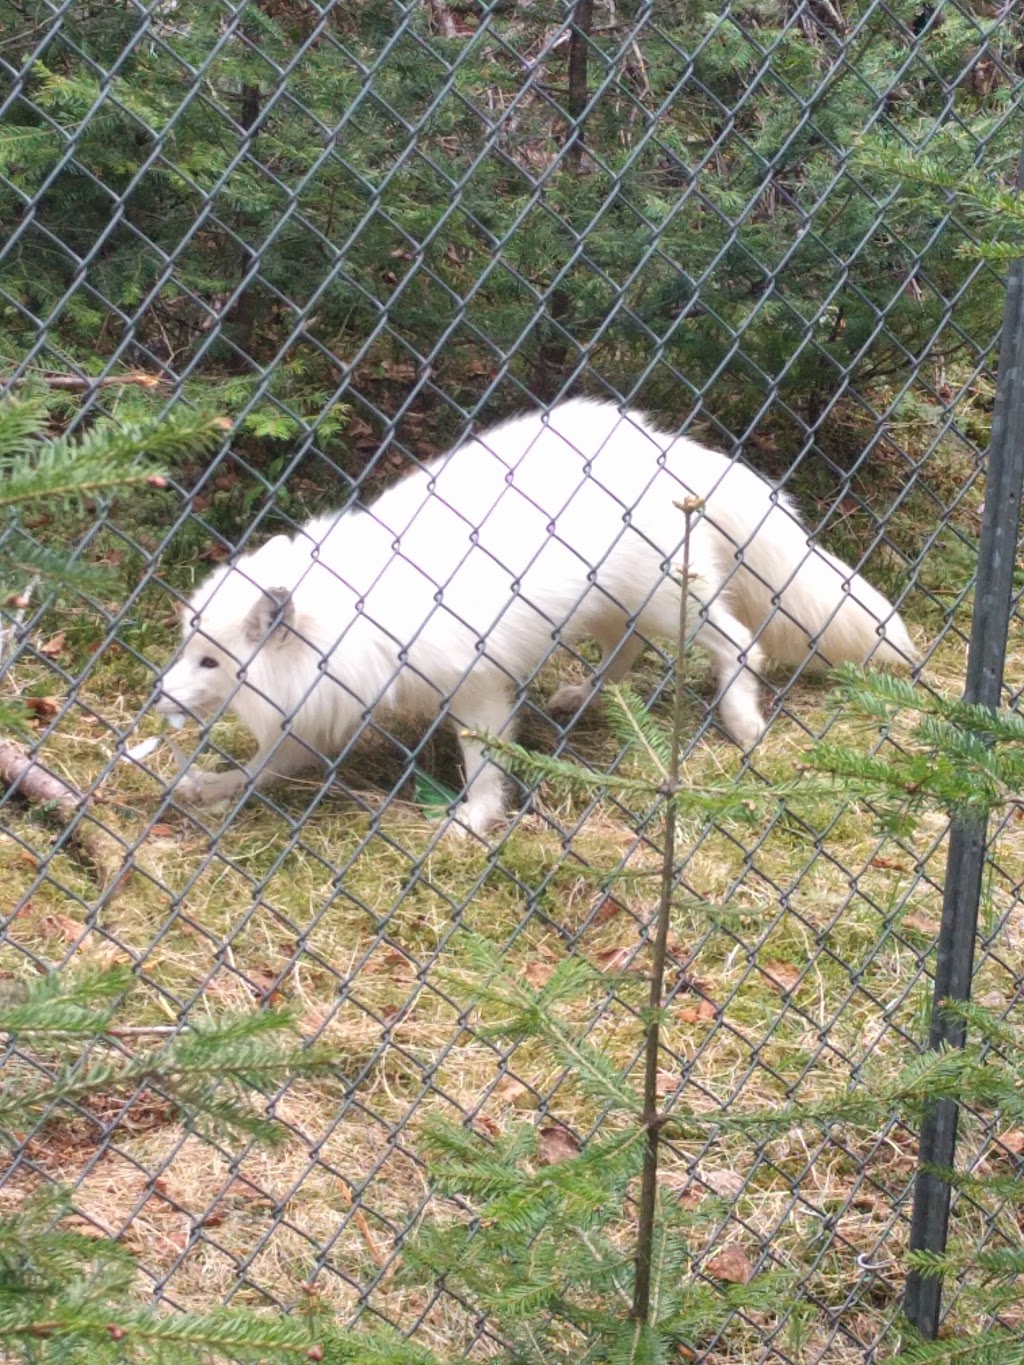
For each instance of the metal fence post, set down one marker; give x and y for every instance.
(965, 864)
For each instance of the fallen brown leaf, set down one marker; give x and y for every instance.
(783, 975)
(666, 1083)
(53, 646)
(1012, 1141)
(538, 974)
(556, 1144)
(729, 1184)
(605, 909)
(698, 1014)
(920, 924)
(43, 708)
(614, 959)
(55, 925)
(731, 1264)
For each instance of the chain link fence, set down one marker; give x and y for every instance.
(360, 232)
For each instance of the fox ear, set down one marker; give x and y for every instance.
(273, 610)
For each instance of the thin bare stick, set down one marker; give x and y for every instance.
(141, 1031)
(377, 1255)
(81, 383)
(641, 1309)
(37, 784)
(23, 600)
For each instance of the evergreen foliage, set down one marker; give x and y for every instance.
(401, 197)
(951, 756)
(66, 1296)
(61, 472)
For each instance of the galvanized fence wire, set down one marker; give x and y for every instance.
(363, 231)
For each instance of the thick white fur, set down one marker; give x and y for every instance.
(452, 588)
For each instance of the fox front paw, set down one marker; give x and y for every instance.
(207, 789)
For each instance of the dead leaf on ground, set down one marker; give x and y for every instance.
(887, 864)
(556, 1144)
(783, 975)
(605, 909)
(614, 959)
(55, 925)
(538, 974)
(920, 924)
(159, 831)
(698, 1014)
(53, 646)
(731, 1264)
(511, 1091)
(1012, 1141)
(729, 1184)
(42, 708)
(265, 983)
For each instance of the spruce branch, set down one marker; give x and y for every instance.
(101, 460)
(212, 1072)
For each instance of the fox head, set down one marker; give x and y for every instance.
(231, 630)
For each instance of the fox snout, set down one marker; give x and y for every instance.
(164, 703)
(179, 691)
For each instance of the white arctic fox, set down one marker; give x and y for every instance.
(453, 587)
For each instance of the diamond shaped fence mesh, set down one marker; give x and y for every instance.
(360, 232)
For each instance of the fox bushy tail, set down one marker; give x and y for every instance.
(799, 599)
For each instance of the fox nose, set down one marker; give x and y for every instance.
(164, 703)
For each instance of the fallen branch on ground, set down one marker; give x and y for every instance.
(81, 383)
(28, 778)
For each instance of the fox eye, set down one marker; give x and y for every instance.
(208, 662)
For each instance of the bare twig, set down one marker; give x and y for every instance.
(651, 1118)
(377, 1255)
(22, 601)
(81, 383)
(26, 776)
